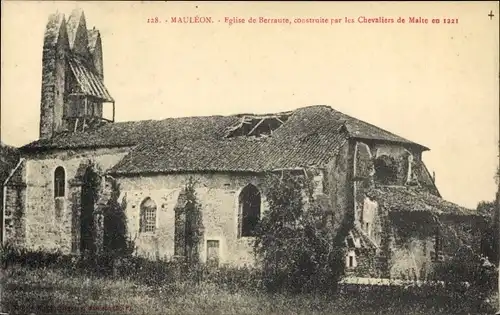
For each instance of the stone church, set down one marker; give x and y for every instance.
(372, 179)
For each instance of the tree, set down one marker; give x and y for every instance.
(9, 156)
(194, 223)
(491, 235)
(297, 252)
(116, 241)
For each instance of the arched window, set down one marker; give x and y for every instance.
(249, 210)
(147, 221)
(59, 182)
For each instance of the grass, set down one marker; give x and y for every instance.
(60, 291)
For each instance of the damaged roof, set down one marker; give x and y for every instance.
(408, 198)
(89, 82)
(309, 136)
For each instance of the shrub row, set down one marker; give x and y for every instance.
(453, 295)
(134, 268)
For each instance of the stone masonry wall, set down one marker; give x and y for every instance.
(55, 49)
(218, 196)
(412, 259)
(338, 189)
(15, 207)
(396, 257)
(54, 223)
(50, 227)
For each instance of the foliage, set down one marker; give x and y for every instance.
(116, 240)
(11, 255)
(8, 159)
(92, 180)
(296, 251)
(486, 208)
(91, 192)
(491, 232)
(194, 223)
(42, 282)
(497, 175)
(9, 156)
(55, 291)
(467, 271)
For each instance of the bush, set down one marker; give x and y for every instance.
(468, 277)
(11, 255)
(296, 250)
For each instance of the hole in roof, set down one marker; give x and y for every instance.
(257, 126)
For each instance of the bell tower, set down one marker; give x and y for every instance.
(55, 51)
(73, 91)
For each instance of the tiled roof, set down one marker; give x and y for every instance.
(89, 83)
(363, 130)
(310, 136)
(399, 199)
(307, 138)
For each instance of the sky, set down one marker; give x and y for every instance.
(435, 84)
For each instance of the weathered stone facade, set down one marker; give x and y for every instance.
(218, 196)
(405, 243)
(372, 184)
(53, 223)
(42, 222)
(36, 219)
(38, 222)
(14, 207)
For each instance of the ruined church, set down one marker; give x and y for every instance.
(372, 179)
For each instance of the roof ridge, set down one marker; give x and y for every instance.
(402, 139)
(419, 191)
(303, 120)
(228, 115)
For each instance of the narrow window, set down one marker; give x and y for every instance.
(59, 182)
(249, 209)
(351, 259)
(148, 216)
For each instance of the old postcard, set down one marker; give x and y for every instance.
(250, 157)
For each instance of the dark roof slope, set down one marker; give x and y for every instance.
(407, 198)
(307, 138)
(133, 133)
(310, 136)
